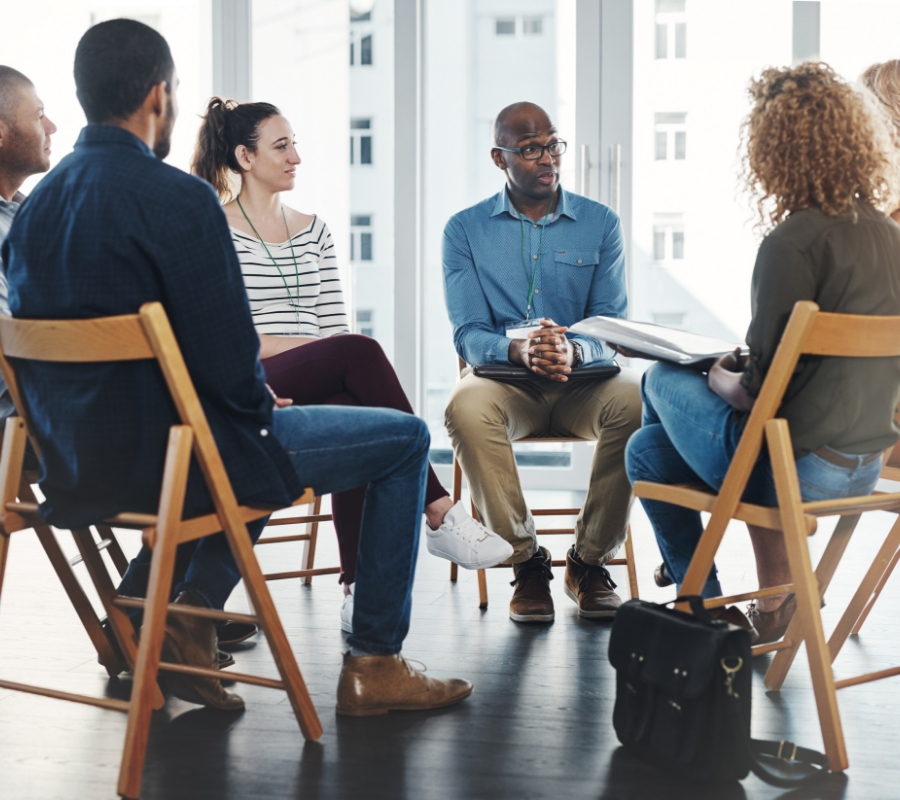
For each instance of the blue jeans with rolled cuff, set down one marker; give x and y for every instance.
(689, 435)
(333, 449)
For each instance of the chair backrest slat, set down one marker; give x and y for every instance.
(854, 336)
(75, 340)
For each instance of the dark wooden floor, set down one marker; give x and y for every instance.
(537, 726)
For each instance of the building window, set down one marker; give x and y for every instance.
(670, 139)
(532, 26)
(364, 324)
(351, 52)
(662, 40)
(671, 29)
(365, 51)
(360, 141)
(360, 16)
(668, 237)
(669, 319)
(505, 26)
(361, 237)
(680, 40)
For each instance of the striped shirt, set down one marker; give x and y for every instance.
(302, 301)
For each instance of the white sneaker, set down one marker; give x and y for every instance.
(467, 542)
(347, 611)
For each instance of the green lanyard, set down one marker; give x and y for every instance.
(532, 279)
(296, 267)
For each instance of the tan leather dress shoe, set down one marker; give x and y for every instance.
(531, 600)
(592, 588)
(371, 685)
(192, 640)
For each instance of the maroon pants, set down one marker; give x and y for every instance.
(348, 370)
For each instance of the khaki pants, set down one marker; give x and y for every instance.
(484, 416)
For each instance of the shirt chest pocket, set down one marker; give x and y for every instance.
(574, 273)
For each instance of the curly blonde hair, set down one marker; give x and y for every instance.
(883, 80)
(811, 140)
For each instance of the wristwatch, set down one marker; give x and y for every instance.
(577, 355)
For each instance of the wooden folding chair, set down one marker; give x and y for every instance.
(146, 336)
(627, 562)
(815, 333)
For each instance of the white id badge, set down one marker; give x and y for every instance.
(520, 330)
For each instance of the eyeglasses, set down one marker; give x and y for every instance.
(534, 152)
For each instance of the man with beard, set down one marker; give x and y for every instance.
(112, 228)
(25, 133)
(537, 252)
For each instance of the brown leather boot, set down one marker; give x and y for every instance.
(371, 685)
(531, 601)
(192, 640)
(591, 587)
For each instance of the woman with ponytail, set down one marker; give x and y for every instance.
(290, 271)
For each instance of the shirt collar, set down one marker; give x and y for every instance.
(563, 208)
(95, 134)
(13, 205)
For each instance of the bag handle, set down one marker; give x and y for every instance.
(695, 601)
(784, 755)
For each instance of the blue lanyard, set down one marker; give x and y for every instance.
(537, 260)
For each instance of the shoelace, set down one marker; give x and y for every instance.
(409, 665)
(592, 568)
(528, 569)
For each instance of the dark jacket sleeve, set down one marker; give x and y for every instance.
(782, 276)
(207, 305)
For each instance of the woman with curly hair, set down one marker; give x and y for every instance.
(821, 165)
(310, 358)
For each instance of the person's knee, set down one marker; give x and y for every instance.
(634, 457)
(469, 410)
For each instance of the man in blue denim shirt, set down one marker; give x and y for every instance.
(113, 227)
(536, 251)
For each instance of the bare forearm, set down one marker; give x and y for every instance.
(273, 345)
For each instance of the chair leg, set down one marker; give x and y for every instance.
(120, 562)
(807, 592)
(834, 551)
(874, 577)
(309, 546)
(482, 589)
(261, 599)
(876, 593)
(159, 589)
(456, 496)
(146, 667)
(119, 621)
(482, 576)
(631, 566)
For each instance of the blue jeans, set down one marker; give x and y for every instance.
(689, 435)
(333, 449)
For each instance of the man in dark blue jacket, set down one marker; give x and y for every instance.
(113, 227)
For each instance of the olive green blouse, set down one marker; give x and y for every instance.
(848, 264)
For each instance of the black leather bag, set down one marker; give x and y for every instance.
(683, 685)
(504, 372)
